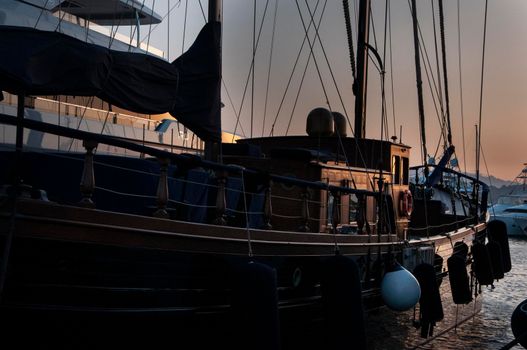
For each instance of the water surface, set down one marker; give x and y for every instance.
(491, 328)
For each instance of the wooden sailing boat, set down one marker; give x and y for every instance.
(192, 257)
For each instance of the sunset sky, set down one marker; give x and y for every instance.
(505, 79)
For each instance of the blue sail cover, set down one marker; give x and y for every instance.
(34, 62)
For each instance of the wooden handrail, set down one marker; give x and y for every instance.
(186, 160)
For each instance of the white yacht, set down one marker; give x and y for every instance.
(515, 218)
(90, 22)
(512, 208)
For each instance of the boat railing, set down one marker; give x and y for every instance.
(114, 123)
(91, 141)
(456, 174)
(76, 110)
(472, 190)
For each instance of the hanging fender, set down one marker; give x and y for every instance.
(497, 232)
(406, 203)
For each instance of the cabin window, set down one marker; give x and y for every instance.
(396, 170)
(29, 102)
(406, 171)
(331, 202)
(353, 205)
(371, 210)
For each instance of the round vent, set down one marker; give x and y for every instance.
(319, 122)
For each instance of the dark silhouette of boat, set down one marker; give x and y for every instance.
(273, 240)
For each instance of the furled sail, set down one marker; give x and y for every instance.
(35, 62)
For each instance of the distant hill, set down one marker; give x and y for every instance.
(496, 193)
(495, 182)
(499, 187)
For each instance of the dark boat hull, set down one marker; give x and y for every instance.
(77, 277)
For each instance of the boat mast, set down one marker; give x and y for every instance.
(215, 7)
(213, 149)
(419, 83)
(361, 82)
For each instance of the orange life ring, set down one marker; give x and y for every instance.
(406, 203)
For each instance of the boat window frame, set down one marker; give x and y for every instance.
(405, 170)
(396, 169)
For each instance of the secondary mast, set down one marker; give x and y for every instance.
(213, 149)
(360, 84)
(215, 10)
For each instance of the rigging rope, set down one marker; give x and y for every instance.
(61, 18)
(237, 114)
(90, 101)
(270, 65)
(112, 33)
(388, 6)
(433, 87)
(383, 204)
(298, 91)
(439, 87)
(317, 36)
(202, 11)
(58, 27)
(312, 51)
(271, 133)
(431, 81)
(419, 83)
(163, 18)
(383, 77)
(168, 29)
(233, 108)
(41, 13)
(150, 27)
(445, 78)
(253, 64)
(461, 86)
(305, 69)
(345, 4)
(249, 245)
(490, 180)
(356, 13)
(373, 29)
(134, 29)
(250, 69)
(481, 88)
(184, 27)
